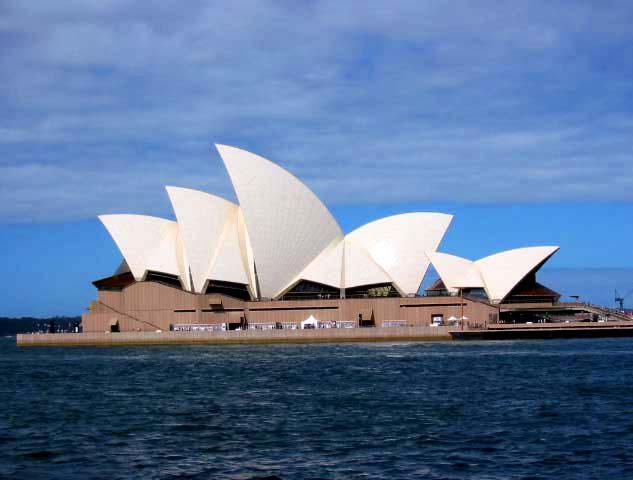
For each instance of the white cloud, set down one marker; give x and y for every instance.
(105, 102)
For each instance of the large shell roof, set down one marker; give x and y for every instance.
(209, 230)
(281, 233)
(287, 224)
(398, 244)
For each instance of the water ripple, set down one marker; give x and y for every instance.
(551, 409)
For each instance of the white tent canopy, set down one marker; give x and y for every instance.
(310, 322)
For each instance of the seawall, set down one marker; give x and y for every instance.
(326, 335)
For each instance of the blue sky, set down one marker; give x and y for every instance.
(515, 117)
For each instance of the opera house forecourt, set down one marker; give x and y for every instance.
(279, 260)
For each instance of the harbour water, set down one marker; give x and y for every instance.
(496, 410)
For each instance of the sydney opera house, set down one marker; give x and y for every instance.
(280, 260)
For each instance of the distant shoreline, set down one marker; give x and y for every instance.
(16, 325)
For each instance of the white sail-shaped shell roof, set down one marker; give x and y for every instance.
(502, 271)
(281, 234)
(470, 279)
(398, 245)
(345, 265)
(230, 263)
(360, 268)
(389, 250)
(327, 268)
(498, 274)
(287, 224)
(209, 229)
(456, 272)
(247, 253)
(148, 243)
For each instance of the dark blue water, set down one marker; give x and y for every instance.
(550, 409)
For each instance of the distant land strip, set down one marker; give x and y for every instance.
(13, 325)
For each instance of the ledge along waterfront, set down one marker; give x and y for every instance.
(329, 335)
(332, 335)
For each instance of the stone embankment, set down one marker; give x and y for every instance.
(325, 335)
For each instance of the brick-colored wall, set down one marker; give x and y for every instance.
(148, 306)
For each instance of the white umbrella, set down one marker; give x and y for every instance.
(452, 318)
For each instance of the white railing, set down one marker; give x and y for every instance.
(394, 323)
(261, 326)
(199, 327)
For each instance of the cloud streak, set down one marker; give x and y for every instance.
(103, 103)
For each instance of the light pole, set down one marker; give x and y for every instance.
(461, 306)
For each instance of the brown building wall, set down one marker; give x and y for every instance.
(380, 309)
(292, 316)
(419, 311)
(422, 315)
(112, 299)
(149, 306)
(152, 296)
(514, 306)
